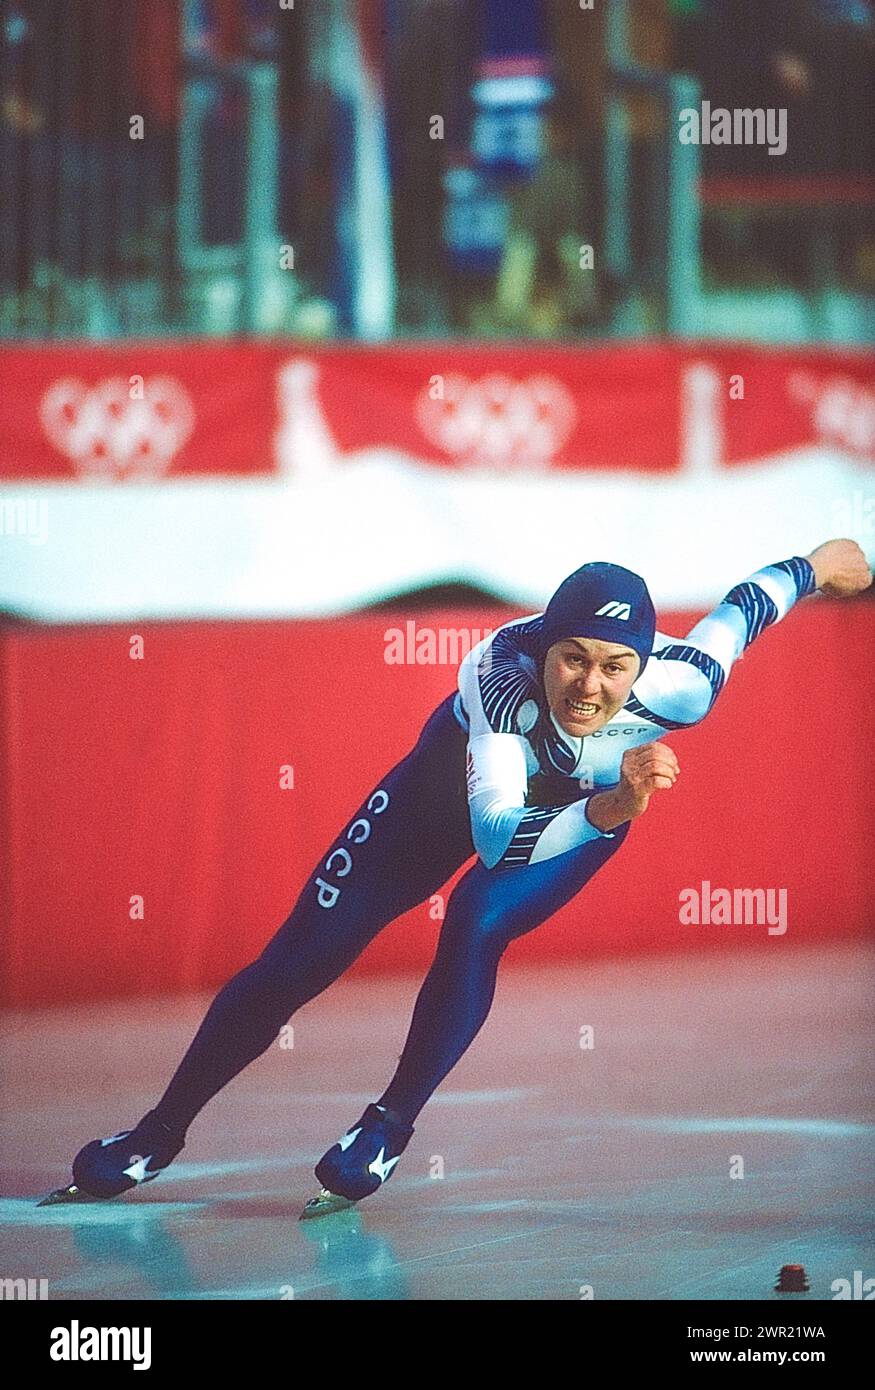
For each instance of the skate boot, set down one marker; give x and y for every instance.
(360, 1162)
(107, 1167)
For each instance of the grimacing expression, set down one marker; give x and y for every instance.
(587, 682)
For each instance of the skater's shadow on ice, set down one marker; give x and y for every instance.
(361, 1264)
(145, 1245)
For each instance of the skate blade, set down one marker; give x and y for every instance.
(325, 1204)
(63, 1196)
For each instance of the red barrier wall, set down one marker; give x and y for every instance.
(160, 777)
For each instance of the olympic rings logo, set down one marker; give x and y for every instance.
(119, 428)
(497, 421)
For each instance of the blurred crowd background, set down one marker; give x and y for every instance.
(432, 168)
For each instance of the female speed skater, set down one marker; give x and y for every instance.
(512, 767)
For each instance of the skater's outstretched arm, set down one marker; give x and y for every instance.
(682, 679)
(676, 690)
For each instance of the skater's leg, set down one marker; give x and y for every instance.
(406, 839)
(487, 910)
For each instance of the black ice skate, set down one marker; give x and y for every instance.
(106, 1168)
(360, 1162)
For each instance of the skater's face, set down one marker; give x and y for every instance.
(587, 682)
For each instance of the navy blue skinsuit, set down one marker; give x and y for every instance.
(420, 822)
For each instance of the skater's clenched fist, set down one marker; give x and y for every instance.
(643, 771)
(841, 569)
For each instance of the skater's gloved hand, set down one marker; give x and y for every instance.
(642, 772)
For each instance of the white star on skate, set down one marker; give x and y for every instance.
(348, 1138)
(381, 1168)
(137, 1170)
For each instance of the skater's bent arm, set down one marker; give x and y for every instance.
(505, 831)
(643, 771)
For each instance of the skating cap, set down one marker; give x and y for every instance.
(603, 601)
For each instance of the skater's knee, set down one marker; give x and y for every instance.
(478, 915)
(494, 926)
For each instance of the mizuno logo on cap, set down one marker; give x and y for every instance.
(613, 609)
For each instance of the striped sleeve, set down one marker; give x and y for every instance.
(682, 680)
